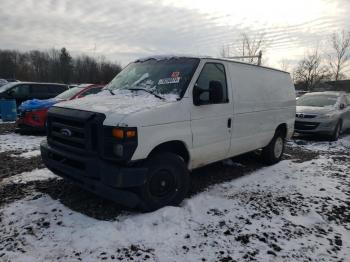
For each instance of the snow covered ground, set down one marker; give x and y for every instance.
(292, 211)
(17, 142)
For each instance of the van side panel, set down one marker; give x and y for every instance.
(263, 99)
(170, 122)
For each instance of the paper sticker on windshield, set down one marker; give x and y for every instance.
(175, 74)
(167, 81)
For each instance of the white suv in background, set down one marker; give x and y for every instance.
(325, 113)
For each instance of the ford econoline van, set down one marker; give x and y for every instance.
(137, 141)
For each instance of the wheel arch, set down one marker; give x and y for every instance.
(283, 128)
(174, 146)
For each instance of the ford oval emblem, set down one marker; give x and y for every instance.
(66, 132)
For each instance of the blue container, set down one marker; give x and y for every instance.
(8, 110)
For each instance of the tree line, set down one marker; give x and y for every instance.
(314, 68)
(56, 66)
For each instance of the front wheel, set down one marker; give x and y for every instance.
(167, 182)
(273, 152)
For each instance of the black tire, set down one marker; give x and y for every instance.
(167, 182)
(270, 155)
(337, 131)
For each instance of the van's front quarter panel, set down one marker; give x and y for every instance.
(149, 137)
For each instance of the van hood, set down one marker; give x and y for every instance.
(119, 105)
(315, 110)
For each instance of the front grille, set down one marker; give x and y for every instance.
(301, 115)
(74, 130)
(299, 125)
(70, 133)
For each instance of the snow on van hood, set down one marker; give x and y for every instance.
(122, 103)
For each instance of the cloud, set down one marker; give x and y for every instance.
(125, 30)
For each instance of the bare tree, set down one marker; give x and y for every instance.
(340, 57)
(56, 66)
(224, 51)
(311, 70)
(285, 65)
(251, 46)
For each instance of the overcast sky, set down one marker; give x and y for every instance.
(128, 29)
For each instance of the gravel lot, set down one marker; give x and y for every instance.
(237, 210)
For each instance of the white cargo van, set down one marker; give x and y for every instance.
(160, 118)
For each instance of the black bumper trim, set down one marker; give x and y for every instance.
(99, 176)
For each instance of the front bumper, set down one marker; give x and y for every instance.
(317, 126)
(102, 177)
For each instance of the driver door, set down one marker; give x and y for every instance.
(211, 120)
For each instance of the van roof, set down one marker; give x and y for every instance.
(165, 57)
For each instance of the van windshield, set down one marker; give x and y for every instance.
(160, 77)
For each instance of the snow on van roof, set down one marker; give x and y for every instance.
(172, 56)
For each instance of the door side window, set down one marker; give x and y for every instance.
(39, 89)
(211, 85)
(57, 89)
(21, 91)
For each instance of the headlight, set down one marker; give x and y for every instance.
(118, 150)
(327, 116)
(120, 142)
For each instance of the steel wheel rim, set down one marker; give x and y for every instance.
(278, 148)
(162, 184)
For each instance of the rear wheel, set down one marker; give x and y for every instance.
(337, 131)
(273, 152)
(167, 182)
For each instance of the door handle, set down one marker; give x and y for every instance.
(229, 123)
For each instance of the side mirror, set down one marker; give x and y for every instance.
(197, 91)
(216, 93)
(341, 106)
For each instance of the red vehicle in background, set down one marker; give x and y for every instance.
(33, 113)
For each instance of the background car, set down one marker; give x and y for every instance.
(22, 91)
(33, 113)
(326, 113)
(3, 82)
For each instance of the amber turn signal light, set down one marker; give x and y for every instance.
(118, 133)
(131, 133)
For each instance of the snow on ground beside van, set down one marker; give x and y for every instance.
(325, 146)
(17, 142)
(28, 154)
(292, 211)
(35, 175)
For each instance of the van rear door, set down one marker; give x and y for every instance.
(211, 119)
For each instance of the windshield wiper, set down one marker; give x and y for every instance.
(110, 90)
(146, 90)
